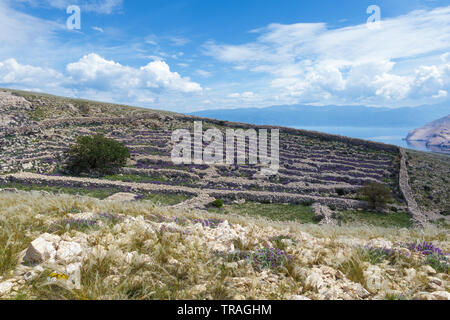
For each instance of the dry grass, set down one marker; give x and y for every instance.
(139, 260)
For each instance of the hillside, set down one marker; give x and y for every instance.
(37, 129)
(435, 134)
(308, 227)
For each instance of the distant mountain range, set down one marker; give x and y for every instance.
(345, 116)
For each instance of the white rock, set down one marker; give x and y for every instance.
(5, 287)
(83, 215)
(380, 243)
(68, 252)
(435, 281)
(73, 268)
(74, 272)
(361, 291)
(173, 261)
(232, 265)
(424, 296)
(410, 274)
(122, 196)
(428, 269)
(39, 269)
(435, 287)
(112, 280)
(441, 295)
(130, 257)
(27, 166)
(199, 288)
(42, 249)
(298, 297)
(51, 237)
(30, 275)
(99, 252)
(314, 280)
(374, 278)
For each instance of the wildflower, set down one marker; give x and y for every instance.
(425, 248)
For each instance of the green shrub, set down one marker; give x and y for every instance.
(376, 194)
(341, 192)
(308, 203)
(440, 263)
(217, 203)
(97, 154)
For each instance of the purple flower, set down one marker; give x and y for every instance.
(425, 248)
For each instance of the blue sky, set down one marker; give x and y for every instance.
(205, 54)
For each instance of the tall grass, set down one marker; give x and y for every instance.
(134, 261)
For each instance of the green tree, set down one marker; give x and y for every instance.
(97, 154)
(218, 203)
(377, 194)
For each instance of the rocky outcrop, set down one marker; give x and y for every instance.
(123, 196)
(42, 249)
(199, 202)
(435, 134)
(13, 110)
(324, 214)
(62, 254)
(5, 287)
(51, 248)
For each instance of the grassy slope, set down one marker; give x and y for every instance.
(305, 214)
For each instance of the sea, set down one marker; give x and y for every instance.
(389, 135)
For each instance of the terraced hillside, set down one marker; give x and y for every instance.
(150, 231)
(37, 129)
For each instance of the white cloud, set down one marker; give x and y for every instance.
(203, 73)
(247, 95)
(354, 64)
(98, 29)
(178, 41)
(441, 94)
(406, 62)
(151, 39)
(13, 73)
(96, 72)
(19, 29)
(94, 77)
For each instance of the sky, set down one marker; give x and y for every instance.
(193, 55)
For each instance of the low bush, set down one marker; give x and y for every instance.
(96, 154)
(218, 203)
(376, 194)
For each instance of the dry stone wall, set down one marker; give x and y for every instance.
(413, 208)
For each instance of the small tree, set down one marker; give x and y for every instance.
(378, 195)
(97, 153)
(217, 203)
